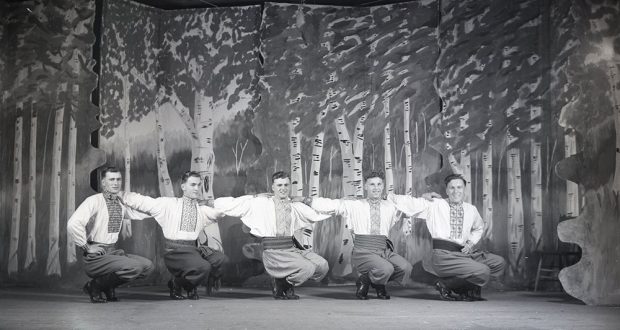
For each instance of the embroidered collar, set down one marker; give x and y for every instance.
(189, 200)
(110, 196)
(374, 201)
(452, 204)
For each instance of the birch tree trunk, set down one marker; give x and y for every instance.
(466, 172)
(487, 190)
(408, 151)
(127, 151)
(572, 188)
(202, 154)
(454, 165)
(315, 168)
(297, 184)
(31, 246)
(17, 191)
(536, 224)
(346, 151)
(165, 184)
(358, 156)
(614, 80)
(515, 212)
(387, 149)
(71, 157)
(53, 256)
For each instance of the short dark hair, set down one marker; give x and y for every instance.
(375, 174)
(108, 169)
(454, 177)
(280, 175)
(189, 174)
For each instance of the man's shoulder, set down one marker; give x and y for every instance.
(94, 198)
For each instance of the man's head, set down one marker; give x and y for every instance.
(191, 184)
(111, 180)
(280, 184)
(455, 187)
(374, 185)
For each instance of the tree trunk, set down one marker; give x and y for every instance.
(387, 149)
(346, 151)
(17, 191)
(315, 168)
(124, 104)
(31, 247)
(614, 81)
(165, 184)
(358, 153)
(203, 157)
(454, 165)
(515, 212)
(71, 157)
(297, 184)
(466, 172)
(572, 188)
(536, 186)
(53, 257)
(408, 151)
(487, 190)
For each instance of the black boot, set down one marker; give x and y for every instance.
(444, 292)
(363, 284)
(175, 290)
(381, 292)
(213, 284)
(460, 287)
(94, 291)
(474, 293)
(289, 291)
(193, 294)
(279, 288)
(109, 287)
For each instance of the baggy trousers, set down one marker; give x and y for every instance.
(283, 260)
(127, 267)
(190, 268)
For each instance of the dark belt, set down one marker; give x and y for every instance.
(178, 243)
(107, 247)
(442, 244)
(370, 242)
(278, 243)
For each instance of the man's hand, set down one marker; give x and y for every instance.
(297, 199)
(430, 195)
(469, 248)
(94, 249)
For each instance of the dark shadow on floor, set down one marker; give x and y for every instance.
(554, 297)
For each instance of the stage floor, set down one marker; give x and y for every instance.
(331, 307)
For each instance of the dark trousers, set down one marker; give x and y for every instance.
(476, 268)
(381, 265)
(191, 266)
(127, 267)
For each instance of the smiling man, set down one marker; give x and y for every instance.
(275, 219)
(370, 220)
(456, 227)
(182, 220)
(107, 266)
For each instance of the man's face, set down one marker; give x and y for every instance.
(112, 182)
(455, 190)
(281, 187)
(374, 188)
(192, 188)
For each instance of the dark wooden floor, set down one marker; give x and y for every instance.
(319, 308)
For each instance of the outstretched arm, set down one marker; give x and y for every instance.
(234, 206)
(141, 203)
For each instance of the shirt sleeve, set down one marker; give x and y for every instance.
(135, 215)
(477, 227)
(211, 214)
(330, 206)
(234, 206)
(141, 203)
(76, 226)
(411, 206)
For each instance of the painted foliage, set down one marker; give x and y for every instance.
(46, 87)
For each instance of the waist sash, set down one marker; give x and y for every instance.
(107, 247)
(178, 243)
(278, 243)
(370, 242)
(442, 244)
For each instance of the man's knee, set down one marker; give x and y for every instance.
(147, 267)
(482, 273)
(382, 270)
(203, 267)
(322, 267)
